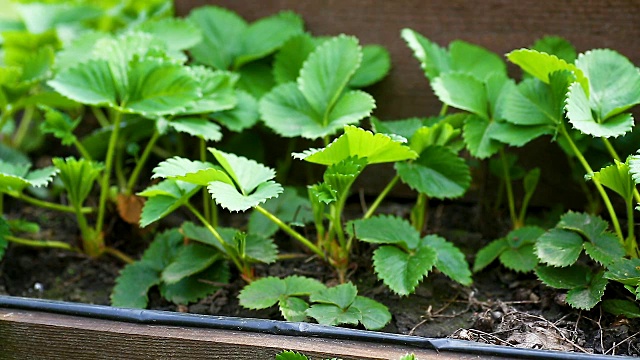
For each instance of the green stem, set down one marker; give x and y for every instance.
(286, 228)
(106, 176)
(4, 118)
(25, 124)
(603, 194)
(419, 212)
(207, 205)
(509, 188)
(216, 235)
(92, 243)
(119, 255)
(99, 115)
(47, 204)
(81, 149)
(630, 244)
(41, 243)
(381, 197)
(133, 178)
(443, 109)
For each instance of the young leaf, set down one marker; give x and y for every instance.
(403, 271)
(434, 59)
(341, 176)
(489, 253)
(614, 82)
(357, 142)
(617, 177)
(462, 91)
(78, 177)
(450, 260)
(376, 63)
(164, 198)
(59, 125)
(581, 116)
(191, 259)
(290, 355)
(192, 171)
(318, 105)
(14, 177)
(559, 247)
(438, 172)
(385, 230)
(541, 65)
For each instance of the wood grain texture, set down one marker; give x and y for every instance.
(37, 335)
(499, 25)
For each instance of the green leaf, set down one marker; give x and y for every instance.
(376, 63)
(522, 259)
(475, 60)
(614, 82)
(617, 177)
(625, 271)
(405, 128)
(341, 176)
(293, 309)
(604, 248)
(357, 142)
(289, 207)
(374, 315)
(198, 286)
(217, 88)
(191, 259)
(462, 91)
(581, 116)
(478, 137)
(178, 34)
(438, 172)
(59, 125)
(222, 36)
(516, 135)
(164, 198)
(634, 168)
(17, 177)
(541, 65)
(247, 174)
(289, 59)
(564, 278)
(290, 355)
(192, 171)
(132, 285)
(256, 78)
(586, 297)
(266, 292)
(231, 199)
(523, 236)
(78, 177)
(434, 59)
(266, 35)
(342, 295)
(589, 226)
(327, 71)
(450, 260)
(626, 308)
(489, 253)
(244, 115)
(162, 250)
(403, 271)
(199, 127)
(557, 46)
(537, 103)
(559, 247)
(384, 229)
(260, 248)
(328, 314)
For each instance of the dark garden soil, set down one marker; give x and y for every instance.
(501, 307)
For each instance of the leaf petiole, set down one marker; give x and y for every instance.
(48, 205)
(133, 178)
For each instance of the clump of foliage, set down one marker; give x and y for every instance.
(293, 355)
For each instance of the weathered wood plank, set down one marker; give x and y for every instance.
(38, 335)
(500, 25)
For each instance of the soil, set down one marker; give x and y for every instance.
(501, 307)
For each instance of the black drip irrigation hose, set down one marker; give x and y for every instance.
(157, 317)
